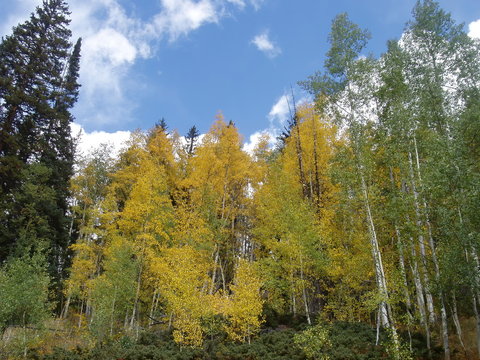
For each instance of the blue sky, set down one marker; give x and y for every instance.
(185, 60)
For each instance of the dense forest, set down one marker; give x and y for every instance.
(356, 236)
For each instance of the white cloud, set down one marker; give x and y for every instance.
(474, 29)
(179, 17)
(114, 40)
(265, 45)
(255, 138)
(280, 111)
(278, 118)
(90, 141)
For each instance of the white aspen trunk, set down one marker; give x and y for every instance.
(81, 313)
(294, 305)
(304, 293)
(443, 310)
(170, 321)
(24, 337)
(385, 310)
(70, 228)
(224, 284)
(65, 308)
(456, 321)
(401, 259)
(137, 291)
(152, 308)
(377, 258)
(378, 328)
(420, 299)
(443, 313)
(421, 245)
(476, 297)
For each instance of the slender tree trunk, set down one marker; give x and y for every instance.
(112, 318)
(224, 284)
(443, 310)
(170, 321)
(420, 298)
(421, 245)
(153, 308)
(377, 258)
(24, 336)
(81, 313)
(137, 296)
(456, 321)
(65, 308)
(292, 282)
(304, 293)
(137, 291)
(476, 296)
(214, 273)
(401, 260)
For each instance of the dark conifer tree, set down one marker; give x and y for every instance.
(192, 137)
(162, 124)
(38, 87)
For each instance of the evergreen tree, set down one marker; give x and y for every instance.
(192, 137)
(38, 78)
(162, 125)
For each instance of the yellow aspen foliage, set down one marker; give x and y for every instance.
(191, 227)
(243, 308)
(181, 276)
(262, 153)
(148, 212)
(316, 148)
(127, 169)
(221, 170)
(219, 184)
(83, 269)
(161, 151)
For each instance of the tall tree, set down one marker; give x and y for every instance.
(38, 77)
(348, 85)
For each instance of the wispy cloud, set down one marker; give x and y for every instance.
(474, 29)
(256, 4)
(264, 44)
